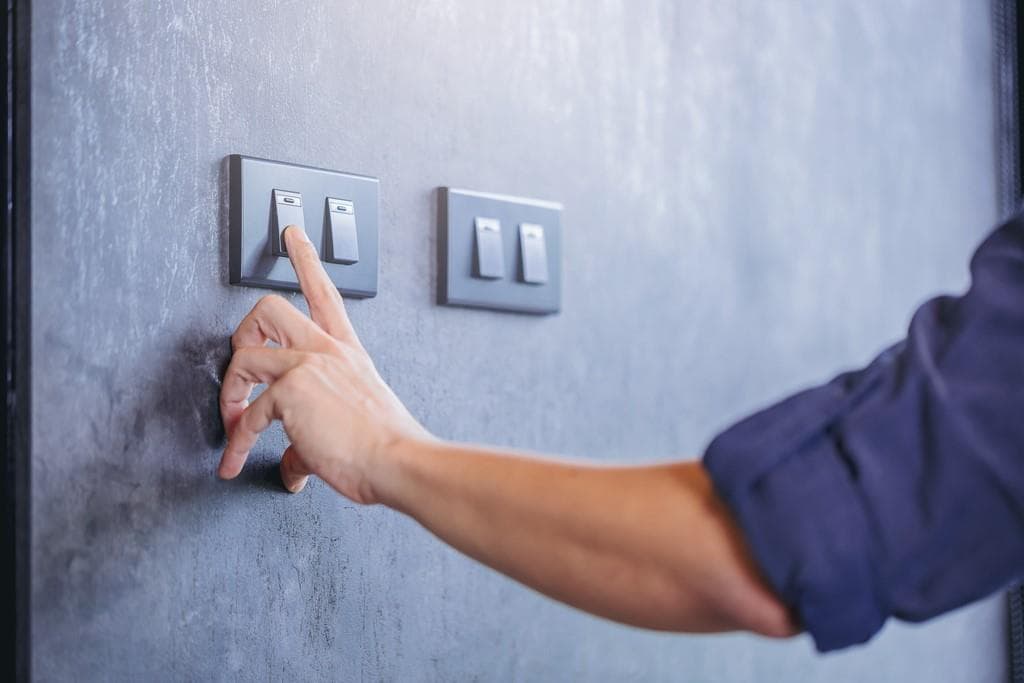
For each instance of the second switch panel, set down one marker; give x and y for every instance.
(499, 252)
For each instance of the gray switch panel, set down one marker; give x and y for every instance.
(532, 282)
(534, 253)
(256, 217)
(287, 211)
(342, 237)
(490, 252)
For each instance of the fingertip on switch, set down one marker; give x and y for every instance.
(296, 232)
(287, 213)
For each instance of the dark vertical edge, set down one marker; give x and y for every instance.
(1008, 63)
(442, 245)
(1015, 60)
(559, 261)
(235, 219)
(1014, 182)
(1005, 27)
(376, 246)
(15, 283)
(1016, 633)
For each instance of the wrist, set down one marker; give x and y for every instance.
(390, 473)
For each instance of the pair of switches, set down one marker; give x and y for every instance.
(341, 238)
(490, 251)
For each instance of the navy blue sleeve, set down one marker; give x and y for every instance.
(898, 489)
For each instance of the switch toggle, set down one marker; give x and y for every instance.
(341, 236)
(287, 211)
(534, 253)
(490, 252)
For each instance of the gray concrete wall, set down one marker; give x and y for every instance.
(757, 195)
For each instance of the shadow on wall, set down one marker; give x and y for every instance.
(197, 373)
(93, 533)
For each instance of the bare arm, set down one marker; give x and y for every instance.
(649, 546)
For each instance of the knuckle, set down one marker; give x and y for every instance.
(306, 374)
(348, 354)
(245, 420)
(319, 361)
(356, 357)
(295, 381)
(242, 356)
(232, 370)
(241, 359)
(306, 359)
(238, 337)
(268, 302)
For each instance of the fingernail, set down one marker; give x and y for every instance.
(297, 231)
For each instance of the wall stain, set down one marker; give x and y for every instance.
(196, 377)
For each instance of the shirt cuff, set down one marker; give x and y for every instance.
(794, 494)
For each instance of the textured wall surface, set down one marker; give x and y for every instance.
(757, 195)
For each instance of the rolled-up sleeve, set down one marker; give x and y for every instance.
(898, 489)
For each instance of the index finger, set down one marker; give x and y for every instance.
(326, 307)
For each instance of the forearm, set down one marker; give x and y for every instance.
(650, 546)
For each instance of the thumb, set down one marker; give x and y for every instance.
(293, 474)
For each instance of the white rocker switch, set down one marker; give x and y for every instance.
(342, 237)
(534, 253)
(287, 211)
(490, 250)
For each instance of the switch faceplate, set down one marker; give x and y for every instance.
(490, 252)
(459, 272)
(253, 259)
(341, 237)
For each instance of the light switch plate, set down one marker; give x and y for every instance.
(458, 284)
(252, 262)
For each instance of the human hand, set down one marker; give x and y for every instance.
(340, 416)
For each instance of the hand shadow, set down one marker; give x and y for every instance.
(196, 377)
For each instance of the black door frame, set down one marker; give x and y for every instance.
(1013, 182)
(15, 326)
(1008, 35)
